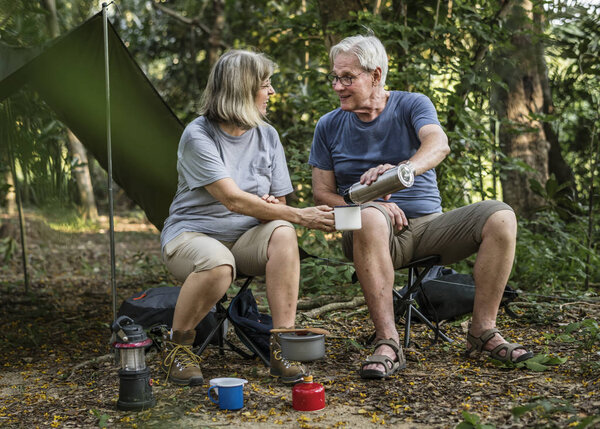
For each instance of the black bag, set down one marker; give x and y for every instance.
(447, 295)
(156, 306)
(245, 316)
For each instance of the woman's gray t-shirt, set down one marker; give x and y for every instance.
(255, 161)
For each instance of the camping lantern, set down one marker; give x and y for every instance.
(135, 390)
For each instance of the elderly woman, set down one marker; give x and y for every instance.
(373, 130)
(230, 215)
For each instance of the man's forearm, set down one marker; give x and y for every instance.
(329, 198)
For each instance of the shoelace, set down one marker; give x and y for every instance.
(287, 363)
(187, 357)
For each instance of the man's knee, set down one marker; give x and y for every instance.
(373, 221)
(502, 225)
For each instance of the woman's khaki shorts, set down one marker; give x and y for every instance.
(194, 252)
(453, 235)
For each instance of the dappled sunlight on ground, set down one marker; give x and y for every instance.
(56, 368)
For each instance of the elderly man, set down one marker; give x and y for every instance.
(373, 130)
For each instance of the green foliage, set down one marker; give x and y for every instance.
(453, 56)
(472, 421)
(8, 247)
(102, 418)
(552, 253)
(553, 413)
(65, 217)
(539, 363)
(329, 275)
(585, 334)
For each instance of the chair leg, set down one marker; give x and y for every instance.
(425, 320)
(266, 359)
(407, 318)
(217, 330)
(409, 300)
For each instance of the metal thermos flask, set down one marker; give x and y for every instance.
(393, 180)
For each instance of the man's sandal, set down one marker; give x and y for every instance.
(478, 343)
(391, 366)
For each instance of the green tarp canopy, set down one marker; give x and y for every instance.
(69, 76)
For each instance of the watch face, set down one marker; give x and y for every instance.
(406, 173)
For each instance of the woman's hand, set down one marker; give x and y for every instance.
(399, 220)
(270, 199)
(319, 217)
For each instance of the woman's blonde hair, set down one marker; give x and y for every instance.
(233, 83)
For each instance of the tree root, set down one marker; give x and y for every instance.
(356, 302)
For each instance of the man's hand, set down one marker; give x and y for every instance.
(372, 174)
(399, 220)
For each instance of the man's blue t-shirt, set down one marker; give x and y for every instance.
(348, 146)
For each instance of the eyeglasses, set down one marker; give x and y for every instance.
(344, 80)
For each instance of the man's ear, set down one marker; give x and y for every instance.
(376, 76)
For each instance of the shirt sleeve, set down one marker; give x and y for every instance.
(199, 161)
(423, 112)
(281, 184)
(320, 153)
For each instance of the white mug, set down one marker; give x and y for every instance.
(347, 218)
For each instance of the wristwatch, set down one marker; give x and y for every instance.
(410, 166)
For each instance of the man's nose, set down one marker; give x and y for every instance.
(337, 85)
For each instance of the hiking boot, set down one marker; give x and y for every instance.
(179, 362)
(290, 372)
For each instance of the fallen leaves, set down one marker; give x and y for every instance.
(56, 367)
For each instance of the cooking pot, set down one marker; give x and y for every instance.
(302, 346)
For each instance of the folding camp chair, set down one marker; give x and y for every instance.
(404, 301)
(222, 315)
(404, 304)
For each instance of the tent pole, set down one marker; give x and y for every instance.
(13, 171)
(109, 160)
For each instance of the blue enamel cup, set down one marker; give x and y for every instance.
(230, 392)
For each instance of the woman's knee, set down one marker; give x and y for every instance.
(220, 276)
(283, 238)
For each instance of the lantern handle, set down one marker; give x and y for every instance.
(117, 327)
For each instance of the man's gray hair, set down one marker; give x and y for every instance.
(368, 49)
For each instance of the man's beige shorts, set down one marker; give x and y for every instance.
(194, 252)
(453, 235)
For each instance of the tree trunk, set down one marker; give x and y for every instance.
(11, 201)
(522, 136)
(216, 33)
(335, 10)
(556, 163)
(81, 172)
(480, 50)
(83, 178)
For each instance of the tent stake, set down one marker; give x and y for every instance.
(109, 161)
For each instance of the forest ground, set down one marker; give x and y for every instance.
(56, 369)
